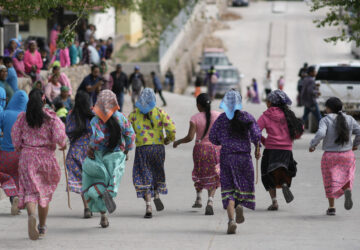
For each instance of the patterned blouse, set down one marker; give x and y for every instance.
(100, 135)
(220, 134)
(151, 131)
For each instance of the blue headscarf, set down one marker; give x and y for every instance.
(2, 99)
(15, 40)
(147, 101)
(231, 102)
(18, 51)
(279, 98)
(18, 101)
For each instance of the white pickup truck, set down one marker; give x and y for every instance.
(341, 80)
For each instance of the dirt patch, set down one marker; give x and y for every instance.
(216, 25)
(230, 16)
(213, 42)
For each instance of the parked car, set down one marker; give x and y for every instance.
(213, 57)
(355, 50)
(341, 80)
(240, 3)
(229, 78)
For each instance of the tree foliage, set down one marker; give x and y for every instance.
(344, 14)
(156, 14)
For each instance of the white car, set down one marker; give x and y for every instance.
(341, 80)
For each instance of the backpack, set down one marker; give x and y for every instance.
(213, 79)
(136, 83)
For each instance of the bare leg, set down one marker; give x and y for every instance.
(32, 230)
(104, 222)
(198, 203)
(84, 201)
(148, 212)
(331, 202)
(31, 208)
(43, 213)
(231, 210)
(274, 206)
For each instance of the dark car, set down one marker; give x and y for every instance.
(240, 3)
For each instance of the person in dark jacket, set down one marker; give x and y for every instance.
(309, 94)
(136, 82)
(158, 86)
(119, 84)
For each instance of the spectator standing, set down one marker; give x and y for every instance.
(73, 54)
(54, 34)
(118, 83)
(90, 32)
(212, 79)
(267, 83)
(45, 59)
(62, 56)
(19, 65)
(303, 70)
(309, 94)
(12, 48)
(169, 80)
(94, 55)
(92, 84)
(281, 83)
(32, 59)
(136, 82)
(158, 87)
(4, 84)
(109, 48)
(11, 79)
(104, 75)
(85, 59)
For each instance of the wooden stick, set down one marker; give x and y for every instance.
(67, 183)
(257, 163)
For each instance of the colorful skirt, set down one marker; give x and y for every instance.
(148, 170)
(74, 160)
(338, 171)
(206, 173)
(9, 176)
(277, 167)
(237, 179)
(39, 175)
(102, 174)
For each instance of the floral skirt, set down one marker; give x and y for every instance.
(338, 171)
(9, 176)
(148, 170)
(206, 173)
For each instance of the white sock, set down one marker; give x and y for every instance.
(211, 199)
(274, 199)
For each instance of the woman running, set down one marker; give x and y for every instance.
(112, 138)
(206, 156)
(9, 158)
(234, 131)
(78, 129)
(338, 161)
(278, 166)
(149, 122)
(35, 135)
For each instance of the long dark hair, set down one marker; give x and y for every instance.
(115, 133)
(35, 115)
(341, 127)
(205, 102)
(239, 127)
(292, 121)
(81, 113)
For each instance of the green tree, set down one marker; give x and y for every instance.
(344, 14)
(157, 14)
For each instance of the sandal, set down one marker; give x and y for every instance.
(14, 206)
(239, 214)
(348, 200)
(104, 222)
(197, 204)
(209, 210)
(109, 202)
(231, 227)
(273, 207)
(331, 211)
(87, 213)
(289, 197)
(158, 204)
(32, 230)
(42, 230)
(148, 213)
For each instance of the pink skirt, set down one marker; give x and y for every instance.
(338, 170)
(206, 173)
(9, 177)
(39, 175)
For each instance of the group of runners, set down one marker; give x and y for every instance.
(101, 137)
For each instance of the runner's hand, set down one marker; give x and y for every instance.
(257, 154)
(355, 148)
(90, 153)
(176, 144)
(167, 141)
(311, 150)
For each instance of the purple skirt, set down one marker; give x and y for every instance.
(237, 179)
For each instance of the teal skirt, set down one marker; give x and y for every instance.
(102, 173)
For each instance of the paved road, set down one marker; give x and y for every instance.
(300, 225)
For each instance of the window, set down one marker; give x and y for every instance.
(339, 74)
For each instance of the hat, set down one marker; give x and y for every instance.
(64, 88)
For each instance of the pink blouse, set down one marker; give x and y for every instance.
(32, 59)
(19, 67)
(64, 58)
(200, 121)
(52, 91)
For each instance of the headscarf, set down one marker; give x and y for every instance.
(64, 88)
(2, 67)
(15, 40)
(18, 102)
(147, 101)
(231, 102)
(106, 105)
(279, 98)
(19, 51)
(2, 99)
